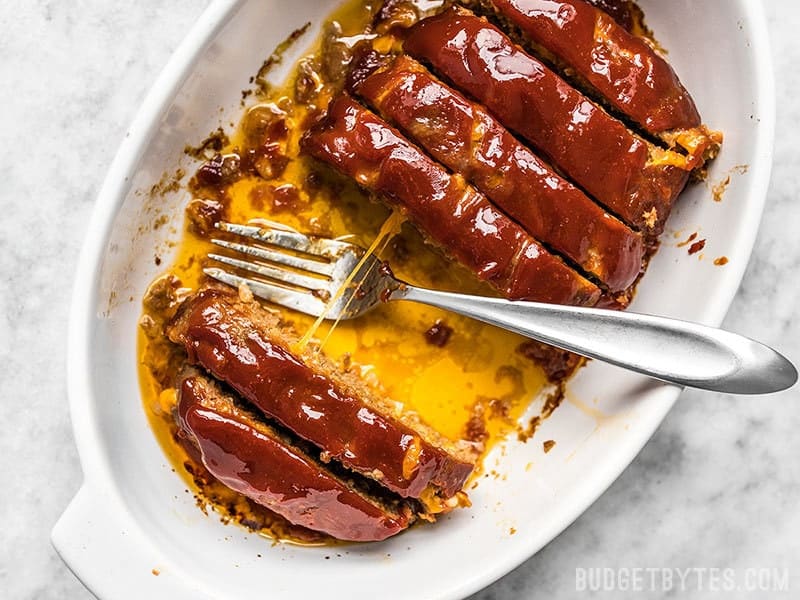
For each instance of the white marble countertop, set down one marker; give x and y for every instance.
(717, 486)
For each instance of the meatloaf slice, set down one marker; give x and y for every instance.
(247, 347)
(449, 212)
(467, 139)
(621, 68)
(257, 460)
(630, 176)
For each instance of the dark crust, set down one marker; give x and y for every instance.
(216, 327)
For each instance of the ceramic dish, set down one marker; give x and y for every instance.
(133, 531)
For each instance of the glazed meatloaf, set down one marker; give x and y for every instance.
(250, 350)
(467, 139)
(628, 175)
(450, 212)
(265, 464)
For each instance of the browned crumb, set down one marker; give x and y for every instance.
(163, 296)
(499, 407)
(697, 246)
(523, 435)
(245, 293)
(718, 190)
(214, 143)
(156, 572)
(557, 364)
(438, 334)
(203, 215)
(721, 261)
(548, 445)
(511, 531)
(476, 426)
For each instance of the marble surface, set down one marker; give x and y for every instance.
(717, 486)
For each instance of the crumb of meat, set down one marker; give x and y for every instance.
(523, 435)
(697, 247)
(557, 363)
(721, 261)
(163, 296)
(222, 169)
(438, 334)
(475, 430)
(499, 407)
(308, 82)
(203, 215)
(548, 445)
(150, 327)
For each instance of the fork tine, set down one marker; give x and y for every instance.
(301, 301)
(281, 258)
(286, 239)
(281, 275)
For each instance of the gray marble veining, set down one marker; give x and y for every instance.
(717, 486)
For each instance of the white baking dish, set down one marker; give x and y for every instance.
(133, 532)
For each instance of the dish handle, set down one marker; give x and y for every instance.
(111, 556)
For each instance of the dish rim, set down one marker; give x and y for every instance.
(96, 468)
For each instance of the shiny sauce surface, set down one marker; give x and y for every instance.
(621, 66)
(246, 459)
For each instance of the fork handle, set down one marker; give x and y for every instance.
(679, 352)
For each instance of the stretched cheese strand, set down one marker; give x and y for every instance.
(389, 229)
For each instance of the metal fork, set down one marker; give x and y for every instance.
(308, 273)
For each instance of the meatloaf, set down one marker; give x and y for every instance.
(452, 214)
(249, 349)
(257, 460)
(467, 139)
(630, 176)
